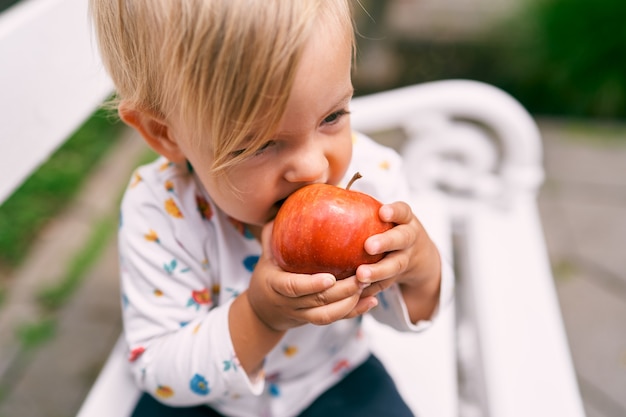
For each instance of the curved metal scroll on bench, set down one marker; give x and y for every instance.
(478, 149)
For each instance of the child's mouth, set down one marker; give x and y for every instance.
(276, 207)
(279, 203)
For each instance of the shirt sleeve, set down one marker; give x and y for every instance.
(392, 310)
(178, 334)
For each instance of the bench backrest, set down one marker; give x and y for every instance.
(50, 81)
(480, 151)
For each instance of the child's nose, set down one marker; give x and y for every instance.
(308, 165)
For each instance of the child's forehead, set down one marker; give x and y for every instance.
(241, 75)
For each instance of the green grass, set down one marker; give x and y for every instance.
(55, 296)
(52, 186)
(605, 135)
(32, 335)
(564, 270)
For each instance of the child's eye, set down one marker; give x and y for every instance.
(333, 117)
(236, 153)
(265, 146)
(257, 152)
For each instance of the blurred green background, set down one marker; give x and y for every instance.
(51, 188)
(558, 57)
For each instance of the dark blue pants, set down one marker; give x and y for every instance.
(367, 391)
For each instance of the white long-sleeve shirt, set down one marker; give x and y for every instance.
(183, 261)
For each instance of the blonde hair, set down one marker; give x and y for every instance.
(225, 67)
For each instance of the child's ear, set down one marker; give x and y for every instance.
(154, 131)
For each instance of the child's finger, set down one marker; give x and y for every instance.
(266, 237)
(398, 212)
(299, 285)
(391, 265)
(330, 313)
(342, 289)
(398, 238)
(365, 304)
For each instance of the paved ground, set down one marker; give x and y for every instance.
(53, 380)
(583, 206)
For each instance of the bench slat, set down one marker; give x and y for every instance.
(51, 80)
(114, 393)
(509, 295)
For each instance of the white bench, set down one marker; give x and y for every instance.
(472, 152)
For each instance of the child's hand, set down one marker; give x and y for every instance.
(283, 300)
(412, 260)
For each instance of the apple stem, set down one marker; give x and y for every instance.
(355, 177)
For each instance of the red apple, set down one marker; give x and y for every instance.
(323, 228)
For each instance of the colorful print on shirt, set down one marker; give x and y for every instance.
(199, 385)
(199, 298)
(204, 207)
(182, 259)
(164, 392)
(172, 209)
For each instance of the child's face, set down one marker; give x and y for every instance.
(312, 144)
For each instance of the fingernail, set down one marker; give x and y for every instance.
(365, 274)
(386, 212)
(329, 280)
(364, 285)
(373, 246)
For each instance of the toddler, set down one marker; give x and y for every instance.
(247, 101)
